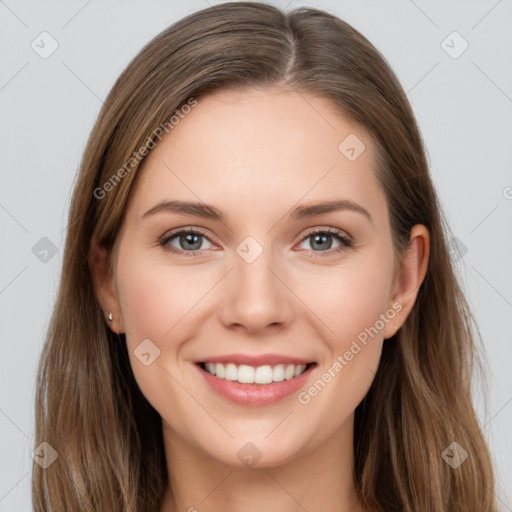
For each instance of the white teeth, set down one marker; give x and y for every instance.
(230, 372)
(299, 369)
(263, 375)
(278, 373)
(219, 370)
(289, 372)
(246, 374)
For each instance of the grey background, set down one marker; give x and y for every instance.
(463, 106)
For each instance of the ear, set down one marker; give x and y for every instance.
(104, 287)
(412, 269)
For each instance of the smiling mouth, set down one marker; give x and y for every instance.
(246, 374)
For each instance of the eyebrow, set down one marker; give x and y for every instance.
(299, 212)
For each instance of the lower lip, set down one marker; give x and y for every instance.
(255, 394)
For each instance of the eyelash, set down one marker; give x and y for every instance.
(345, 242)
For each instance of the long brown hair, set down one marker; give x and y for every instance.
(89, 408)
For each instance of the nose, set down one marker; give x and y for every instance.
(256, 296)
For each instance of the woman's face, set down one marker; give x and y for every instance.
(253, 283)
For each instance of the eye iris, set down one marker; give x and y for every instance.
(323, 238)
(187, 239)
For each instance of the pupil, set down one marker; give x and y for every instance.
(189, 240)
(323, 239)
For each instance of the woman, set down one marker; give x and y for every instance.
(266, 368)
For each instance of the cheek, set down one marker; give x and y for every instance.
(155, 302)
(353, 302)
(154, 299)
(350, 297)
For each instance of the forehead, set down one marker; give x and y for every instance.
(273, 145)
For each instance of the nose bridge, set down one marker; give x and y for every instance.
(256, 297)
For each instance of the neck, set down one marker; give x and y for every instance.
(320, 478)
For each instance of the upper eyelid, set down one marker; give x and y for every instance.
(175, 232)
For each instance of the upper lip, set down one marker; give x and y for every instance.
(255, 360)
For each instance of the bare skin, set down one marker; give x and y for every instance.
(256, 155)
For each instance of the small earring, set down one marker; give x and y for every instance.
(110, 317)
